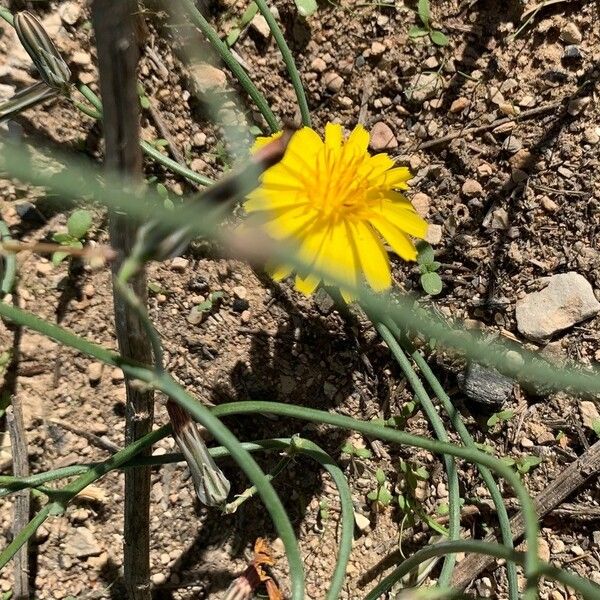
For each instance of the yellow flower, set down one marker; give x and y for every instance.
(337, 204)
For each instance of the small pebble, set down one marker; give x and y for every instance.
(158, 578)
(571, 34)
(472, 187)
(459, 105)
(333, 82)
(382, 137)
(421, 203)
(377, 49)
(318, 65)
(434, 234)
(179, 264)
(94, 372)
(548, 204)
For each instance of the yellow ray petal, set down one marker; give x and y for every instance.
(279, 272)
(262, 141)
(396, 178)
(334, 135)
(373, 258)
(342, 261)
(375, 167)
(307, 285)
(266, 199)
(404, 218)
(305, 142)
(398, 240)
(358, 141)
(284, 223)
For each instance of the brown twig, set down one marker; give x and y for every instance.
(18, 444)
(574, 476)
(105, 253)
(115, 28)
(526, 114)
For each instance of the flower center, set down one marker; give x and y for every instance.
(336, 188)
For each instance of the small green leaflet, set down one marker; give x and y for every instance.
(306, 7)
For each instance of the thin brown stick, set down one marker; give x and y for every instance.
(105, 253)
(573, 477)
(526, 114)
(18, 445)
(114, 24)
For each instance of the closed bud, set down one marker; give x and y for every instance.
(42, 51)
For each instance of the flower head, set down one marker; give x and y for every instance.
(337, 204)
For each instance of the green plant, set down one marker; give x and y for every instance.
(410, 480)
(523, 464)
(78, 225)
(596, 426)
(431, 282)
(426, 29)
(235, 31)
(306, 7)
(381, 496)
(357, 456)
(500, 417)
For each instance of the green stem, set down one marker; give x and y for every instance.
(9, 273)
(585, 587)
(441, 434)
(405, 439)
(146, 147)
(251, 491)
(66, 494)
(226, 55)
(467, 439)
(174, 166)
(168, 386)
(288, 59)
(7, 15)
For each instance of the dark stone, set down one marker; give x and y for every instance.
(486, 386)
(198, 285)
(239, 305)
(572, 52)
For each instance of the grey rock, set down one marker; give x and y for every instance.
(424, 86)
(567, 299)
(572, 52)
(382, 137)
(82, 544)
(486, 385)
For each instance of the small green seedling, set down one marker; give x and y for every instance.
(354, 451)
(306, 7)
(596, 426)
(163, 192)
(212, 302)
(381, 496)
(431, 282)
(425, 29)
(78, 225)
(236, 31)
(500, 417)
(323, 517)
(524, 464)
(410, 506)
(144, 100)
(356, 455)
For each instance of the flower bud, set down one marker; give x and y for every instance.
(42, 51)
(212, 487)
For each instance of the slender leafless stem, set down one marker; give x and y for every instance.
(18, 443)
(115, 26)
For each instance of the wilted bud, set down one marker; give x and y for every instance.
(48, 61)
(212, 487)
(34, 94)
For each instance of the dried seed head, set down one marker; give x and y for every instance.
(212, 487)
(42, 51)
